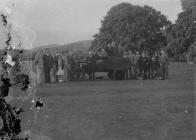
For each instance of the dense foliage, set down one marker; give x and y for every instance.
(182, 35)
(10, 76)
(132, 27)
(188, 4)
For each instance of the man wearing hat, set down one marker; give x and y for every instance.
(164, 61)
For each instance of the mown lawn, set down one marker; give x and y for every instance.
(121, 110)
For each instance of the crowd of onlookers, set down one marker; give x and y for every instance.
(143, 64)
(55, 66)
(61, 66)
(146, 65)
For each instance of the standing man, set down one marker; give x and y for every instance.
(91, 65)
(53, 69)
(115, 49)
(109, 50)
(69, 55)
(156, 65)
(131, 58)
(145, 65)
(127, 73)
(66, 66)
(164, 61)
(136, 64)
(121, 51)
(56, 64)
(141, 65)
(149, 65)
(46, 63)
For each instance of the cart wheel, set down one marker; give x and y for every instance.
(119, 75)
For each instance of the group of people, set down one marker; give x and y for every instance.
(54, 66)
(147, 66)
(143, 64)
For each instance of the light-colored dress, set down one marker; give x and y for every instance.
(60, 72)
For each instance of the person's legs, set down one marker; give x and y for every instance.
(48, 73)
(45, 75)
(136, 71)
(162, 71)
(140, 74)
(93, 76)
(152, 72)
(158, 71)
(131, 72)
(90, 77)
(148, 71)
(54, 73)
(65, 74)
(73, 72)
(145, 70)
(38, 75)
(93, 72)
(165, 71)
(69, 73)
(51, 75)
(127, 74)
(42, 75)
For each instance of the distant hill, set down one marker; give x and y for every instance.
(47, 46)
(80, 45)
(60, 37)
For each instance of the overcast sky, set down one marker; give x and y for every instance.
(76, 19)
(79, 15)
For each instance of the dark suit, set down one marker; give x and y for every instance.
(91, 67)
(46, 63)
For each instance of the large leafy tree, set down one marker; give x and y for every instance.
(182, 34)
(132, 27)
(188, 4)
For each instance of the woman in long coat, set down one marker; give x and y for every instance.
(39, 67)
(53, 68)
(66, 67)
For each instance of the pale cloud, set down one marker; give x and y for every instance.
(77, 15)
(16, 11)
(3, 4)
(85, 15)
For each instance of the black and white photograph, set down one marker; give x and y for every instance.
(97, 69)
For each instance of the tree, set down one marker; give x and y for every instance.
(188, 4)
(193, 50)
(182, 34)
(132, 27)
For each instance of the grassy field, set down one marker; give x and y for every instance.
(121, 110)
